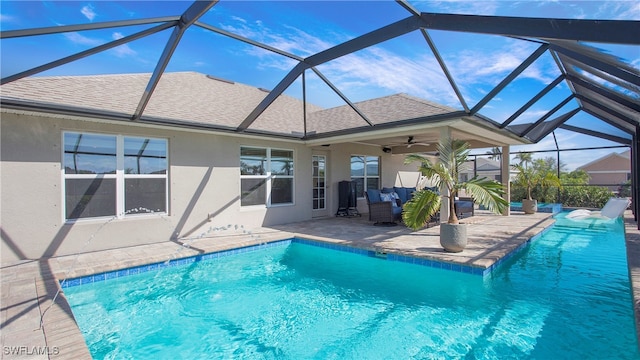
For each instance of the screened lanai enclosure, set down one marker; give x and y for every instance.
(572, 81)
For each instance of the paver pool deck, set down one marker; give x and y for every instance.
(28, 288)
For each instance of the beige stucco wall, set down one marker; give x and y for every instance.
(614, 162)
(608, 178)
(203, 180)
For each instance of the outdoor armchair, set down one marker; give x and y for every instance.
(383, 212)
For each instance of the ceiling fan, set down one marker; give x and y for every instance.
(411, 142)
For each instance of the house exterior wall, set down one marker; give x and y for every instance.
(204, 179)
(608, 178)
(612, 170)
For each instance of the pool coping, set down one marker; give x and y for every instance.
(383, 255)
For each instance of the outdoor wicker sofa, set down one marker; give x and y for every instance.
(385, 206)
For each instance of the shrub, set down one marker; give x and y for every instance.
(570, 195)
(575, 192)
(585, 196)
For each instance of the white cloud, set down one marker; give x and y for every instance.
(237, 18)
(490, 66)
(532, 116)
(619, 10)
(80, 39)
(477, 70)
(632, 13)
(88, 12)
(461, 7)
(296, 41)
(122, 50)
(373, 67)
(6, 18)
(376, 66)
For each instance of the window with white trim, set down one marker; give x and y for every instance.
(266, 176)
(113, 175)
(365, 171)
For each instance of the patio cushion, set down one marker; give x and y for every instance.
(389, 197)
(402, 194)
(386, 190)
(373, 195)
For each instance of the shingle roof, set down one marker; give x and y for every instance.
(378, 111)
(180, 96)
(195, 98)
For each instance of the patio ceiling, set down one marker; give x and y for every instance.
(600, 84)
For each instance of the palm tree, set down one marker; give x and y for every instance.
(524, 159)
(495, 153)
(452, 156)
(530, 177)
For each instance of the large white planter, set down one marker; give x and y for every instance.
(453, 237)
(529, 206)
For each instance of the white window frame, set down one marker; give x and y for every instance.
(269, 176)
(365, 176)
(119, 176)
(323, 188)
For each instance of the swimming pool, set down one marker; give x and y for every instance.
(553, 208)
(566, 295)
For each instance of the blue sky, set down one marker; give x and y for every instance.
(401, 65)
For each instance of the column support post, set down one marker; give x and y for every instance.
(505, 174)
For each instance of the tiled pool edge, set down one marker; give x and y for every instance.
(392, 256)
(496, 265)
(139, 269)
(552, 208)
(389, 256)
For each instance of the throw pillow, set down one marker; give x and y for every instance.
(388, 197)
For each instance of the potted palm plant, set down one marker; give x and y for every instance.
(529, 177)
(452, 155)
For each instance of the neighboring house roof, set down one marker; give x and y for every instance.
(612, 161)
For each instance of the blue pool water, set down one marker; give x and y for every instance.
(566, 295)
(542, 207)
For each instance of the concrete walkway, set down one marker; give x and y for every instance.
(27, 289)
